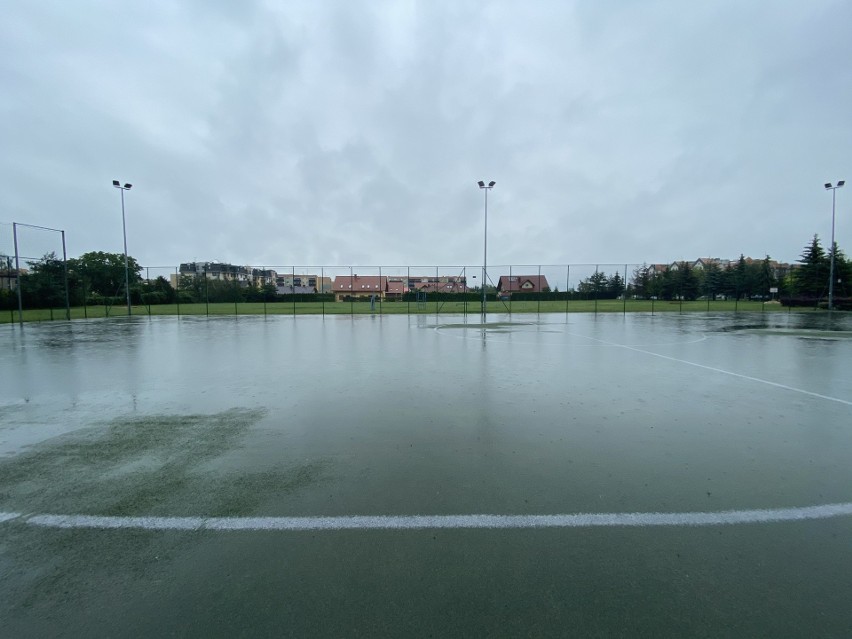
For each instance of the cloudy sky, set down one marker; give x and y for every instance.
(277, 133)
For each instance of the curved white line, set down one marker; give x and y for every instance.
(423, 522)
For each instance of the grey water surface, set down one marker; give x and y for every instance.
(397, 415)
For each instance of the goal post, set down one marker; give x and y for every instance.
(19, 287)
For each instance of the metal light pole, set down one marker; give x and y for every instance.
(124, 188)
(486, 188)
(833, 190)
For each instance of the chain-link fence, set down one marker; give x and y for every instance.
(49, 289)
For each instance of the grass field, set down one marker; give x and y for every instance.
(397, 308)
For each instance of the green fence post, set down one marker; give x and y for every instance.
(177, 290)
(596, 288)
(437, 288)
(567, 286)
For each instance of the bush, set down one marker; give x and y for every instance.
(802, 301)
(448, 297)
(840, 303)
(156, 297)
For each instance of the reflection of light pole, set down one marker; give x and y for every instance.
(124, 188)
(833, 190)
(486, 188)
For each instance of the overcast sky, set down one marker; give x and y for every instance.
(277, 133)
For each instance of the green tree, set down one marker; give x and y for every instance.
(684, 282)
(764, 278)
(710, 280)
(44, 284)
(641, 281)
(615, 285)
(594, 285)
(158, 291)
(842, 272)
(103, 274)
(811, 278)
(658, 285)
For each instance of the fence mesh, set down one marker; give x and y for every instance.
(223, 289)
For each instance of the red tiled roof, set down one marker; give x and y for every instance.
(396, 287)
(360, 283)
(516, 283)
(441, 287)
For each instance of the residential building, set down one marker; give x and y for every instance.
(396, 289)
(262, 277)
(359, 286)
(437, 283)
(657, 269)
(217, 271)
(320, 283)
(704, 262)
(508, 284)
(8, 275)
(297, 290)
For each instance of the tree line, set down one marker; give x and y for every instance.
(804, 284)
(98, 278)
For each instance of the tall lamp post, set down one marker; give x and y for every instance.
(485, 187)
(833, 190)
(124, 188)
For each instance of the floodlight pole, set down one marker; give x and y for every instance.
(124, 188)
(18, 275)
(486, 188)
(65, 276)
(833, 190)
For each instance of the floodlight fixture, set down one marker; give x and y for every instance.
(828, 185)
(481, 184)
(116, 183)
(127, 185)
(841, 183)
(491, 184)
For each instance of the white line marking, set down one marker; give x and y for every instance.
(100, 521)
(423, 522)
(724, 372)
(680, 361)
(463, 335)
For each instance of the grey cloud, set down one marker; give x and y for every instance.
(355, 132)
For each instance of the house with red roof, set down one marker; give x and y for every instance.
(396, 289)
(359, 286)
(508, 284)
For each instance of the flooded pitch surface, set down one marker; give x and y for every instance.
(610, 475)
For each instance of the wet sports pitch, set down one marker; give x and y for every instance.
(581, 475)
